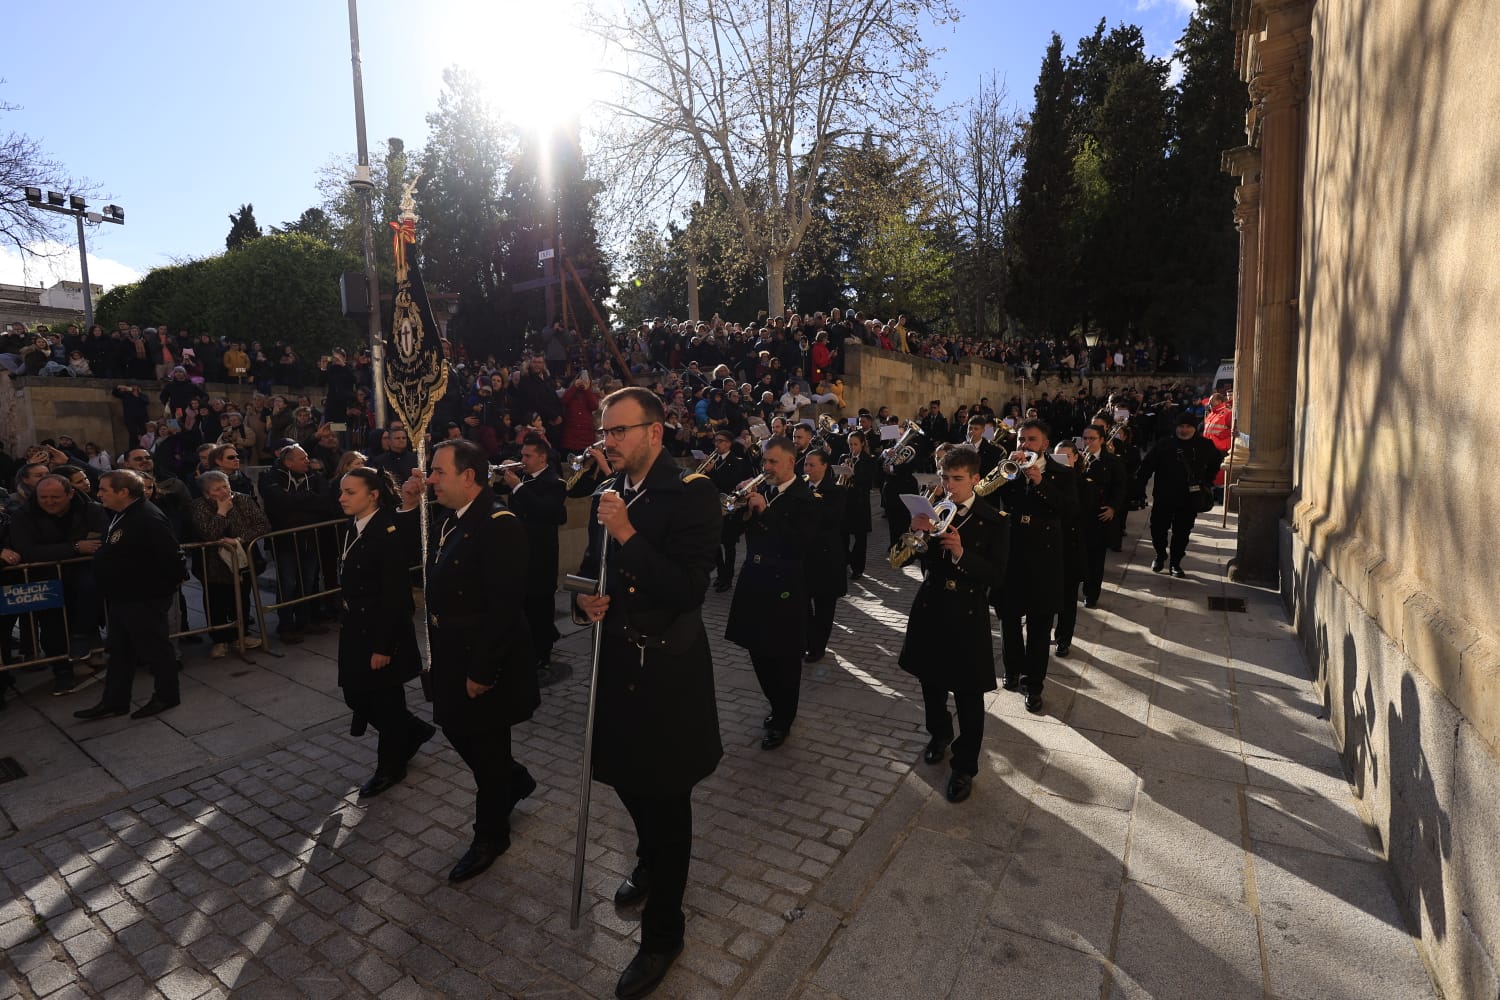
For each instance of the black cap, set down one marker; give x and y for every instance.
(1186, 417)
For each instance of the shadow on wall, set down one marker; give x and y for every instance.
(1421, 834)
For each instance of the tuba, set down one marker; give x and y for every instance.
(731, 503)
(914, 542)
(902, 451)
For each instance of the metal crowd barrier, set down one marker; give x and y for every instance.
(326, 574)
(27, 584)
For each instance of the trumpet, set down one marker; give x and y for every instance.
(915, 542)
(580, 462)
(496, 471)
(903, 451)
(1004, 472)
(730, 503)
(709, 464)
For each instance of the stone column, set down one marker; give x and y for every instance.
(1279, 89)
(1244, 163)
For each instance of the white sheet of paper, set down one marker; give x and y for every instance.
(890, 432)
(700, 456)
(1062, 458)
(926, 481)
(918, 505)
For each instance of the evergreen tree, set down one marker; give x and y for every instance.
(1043, 278)
(242, 228)
(312, 222)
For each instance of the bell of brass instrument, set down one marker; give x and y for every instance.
(914, 543)
(826, 424)
(579, 463)
(731, 503)
(1009, 469)
(903, 451)
(497, 471)
(845, 473)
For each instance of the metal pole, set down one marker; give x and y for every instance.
(366, 188)
(83, 266)
(586, 775)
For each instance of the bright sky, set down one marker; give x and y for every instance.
(179, 111)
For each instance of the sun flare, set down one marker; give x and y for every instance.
(539, 66)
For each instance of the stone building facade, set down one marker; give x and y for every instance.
(1369, 307)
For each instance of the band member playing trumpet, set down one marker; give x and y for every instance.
(1040, 500)
(656, 734)
(947, 645)
(768, 615)
(826, 581)
(728, 467)
(1102, 489)
(537, 496)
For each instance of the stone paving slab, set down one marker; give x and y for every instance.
(1173, 824)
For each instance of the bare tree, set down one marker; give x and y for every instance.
(23, 164)
(976, 164)
(750, 96)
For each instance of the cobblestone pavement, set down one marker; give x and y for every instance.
(1173, 825)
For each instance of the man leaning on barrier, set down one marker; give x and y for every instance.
(138, 569)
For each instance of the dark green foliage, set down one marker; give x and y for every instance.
(242, 228)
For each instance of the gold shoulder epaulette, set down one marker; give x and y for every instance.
(501, 513)
(692, 476)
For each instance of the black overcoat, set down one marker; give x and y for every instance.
(476, 588)
(1034, 573)
(656, 730)
(769, 612)
(1102, 483)
(375, 604)
(947, 639)
(827, 560)
(542, 506)
(857, 518)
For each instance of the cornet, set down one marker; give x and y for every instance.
(915, 542)
(1010, 469)
(903, 451)
(731, 503)
(845, 474)
(580, 462)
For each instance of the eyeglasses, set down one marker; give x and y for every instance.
(231, 458)
(616, 433)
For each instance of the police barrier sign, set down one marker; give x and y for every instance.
(20, 598)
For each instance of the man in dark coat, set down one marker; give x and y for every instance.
(768, 615)
(538, 497)
(729, 469)
(1102, 490)
(138, 568)
(295, 497)
(1184, 465)
(483, 677)
(534, 394)
(1073, 553)
(826, 562)
(989, 453)
(656, 734)
(377, 641)
(947, 645)
(1040, 501)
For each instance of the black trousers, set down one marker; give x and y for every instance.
(496, 774)
(780, 679)
(400, 731)
(138, 636)
(1067, 614)
(1093, 564)
(855, 543)
(729, 539)
(664, 846)
(1179, 523)
(1025, 654)
(820, 623)
(540, 608)
(970, 708)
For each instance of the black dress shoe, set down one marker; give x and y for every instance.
(1177, 572)
(645, 973)
(723, 586)
(480, 855)
(814, 657)
(1064, 648)
(100, 711)
(935, 751)
(1091, 602)
(773, 739)
(426, 733)
(1158, 564)
(766, 722)
(379, 783)
(153, 707)
(634, 888)
(959, 787)
(1033, 702)
(1011, 684)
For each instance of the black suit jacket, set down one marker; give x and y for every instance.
(140, 558)
(1038, 516)
(375, 604)
(827, 561)
(541, 504)
(769, 611)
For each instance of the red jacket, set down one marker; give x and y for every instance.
(579, 405)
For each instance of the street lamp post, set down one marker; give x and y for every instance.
(78, 208)
(364, 186)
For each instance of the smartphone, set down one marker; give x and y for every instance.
(173, 425)
(338, 428)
